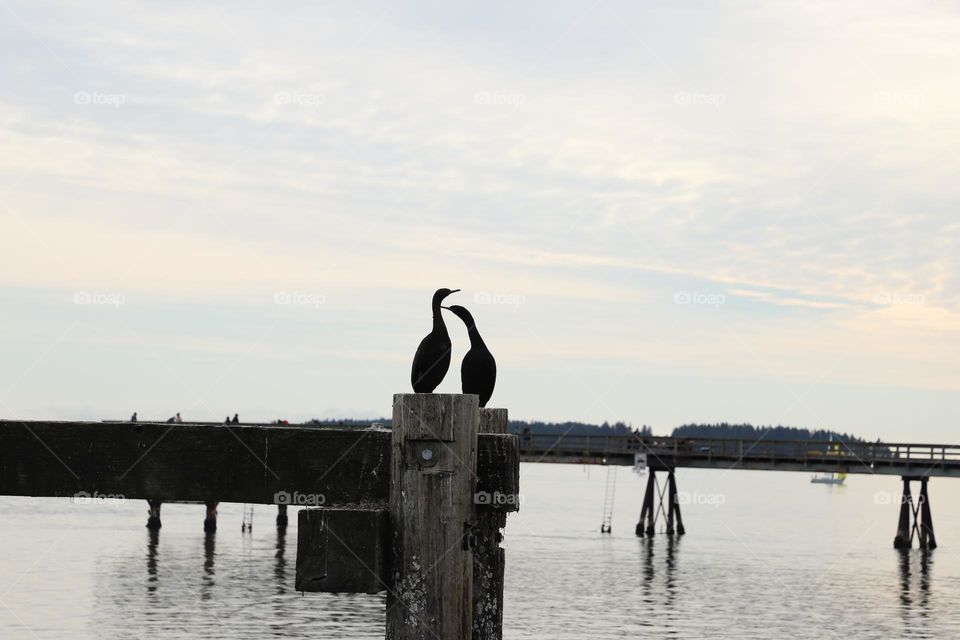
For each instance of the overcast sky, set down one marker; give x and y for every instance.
(658, 213)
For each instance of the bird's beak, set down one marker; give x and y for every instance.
(454, 290)
(443, 307)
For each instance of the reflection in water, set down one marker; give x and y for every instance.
(745, 572)
(153, 538)
(915, 608)
(280, 569)
(673, 546)
(209, 551)
(661, 595)
(216, 586)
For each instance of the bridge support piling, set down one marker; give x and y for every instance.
(210, 522)
(673, 506)
(670, 529)
(927, 539)
(281, 516)
(153, 514)
(646, 524)
(915, 518)
(904, 537)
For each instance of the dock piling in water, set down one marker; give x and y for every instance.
(210, 522)
(915, 519)
(153, 514)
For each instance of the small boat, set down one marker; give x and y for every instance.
(828, 478)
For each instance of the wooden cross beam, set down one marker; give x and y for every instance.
(343, 467)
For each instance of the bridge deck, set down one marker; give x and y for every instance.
(887, 458)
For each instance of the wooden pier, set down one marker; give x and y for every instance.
(664, 454)
(395, 510)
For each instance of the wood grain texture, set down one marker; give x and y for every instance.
(431, 507)
(488, 557)
(195, 462)
(343, 550)
(205, 462)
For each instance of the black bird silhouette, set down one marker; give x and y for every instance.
(478, 373)
(432, 360)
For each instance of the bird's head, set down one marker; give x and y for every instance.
(462, 313)
(440, 294)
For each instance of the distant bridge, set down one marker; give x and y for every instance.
(666, 454)
(910, 461)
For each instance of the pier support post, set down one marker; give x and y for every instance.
(904, 537)
(669, 503)
(647, 511)
(488, 557)
(915, 518)
(281, 516)
(153, 514)
(210, 522)
(433, 462)
(673, 506)
(927, 539)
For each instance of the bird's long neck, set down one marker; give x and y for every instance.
(439, 327)
(475, 339)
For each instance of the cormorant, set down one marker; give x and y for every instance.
(432, 360)
(478, 373)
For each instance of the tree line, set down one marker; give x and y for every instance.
(750, 432)
(715, 430)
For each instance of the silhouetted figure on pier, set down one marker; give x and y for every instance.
(478, 372)
(432, 360)
(133, 418)
(179, 419)
(236, 418)
(227, 421)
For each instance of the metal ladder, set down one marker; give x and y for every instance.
(608, 496)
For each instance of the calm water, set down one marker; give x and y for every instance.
(765, 555)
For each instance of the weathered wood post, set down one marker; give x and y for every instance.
(488, 557)
(434, 449)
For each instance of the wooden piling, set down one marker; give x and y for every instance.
(210, 521)
(488, 557)
(674, 503)
(649, 510)
(434, 448)
(904, 537)
(153, 514)
(927, 539)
